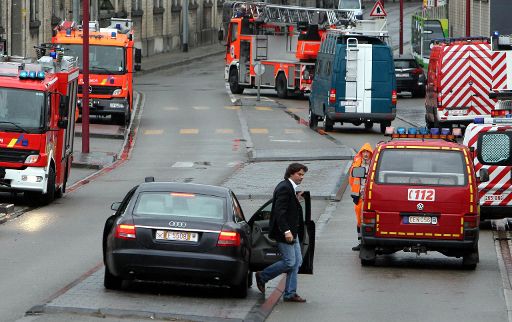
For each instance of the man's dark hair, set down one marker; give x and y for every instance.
(294, 168)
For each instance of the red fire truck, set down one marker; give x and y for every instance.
(37, 109)
(113, 59)
(284, 39)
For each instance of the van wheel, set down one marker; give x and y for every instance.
(234, 86)
(281, 86)
(328, 123)
(368, 125)
(470, 260)
(313, 120)
(367, 255)
(383, 126)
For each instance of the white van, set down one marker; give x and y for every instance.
(354, 6)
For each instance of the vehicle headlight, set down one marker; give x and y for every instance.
(117, 92)
(32, 159)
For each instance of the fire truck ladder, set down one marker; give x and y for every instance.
(261, 47)
(351, 70)
(281, 14)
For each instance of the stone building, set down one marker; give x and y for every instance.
(486, 17)
(158, 23)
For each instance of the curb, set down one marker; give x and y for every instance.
(179, 63)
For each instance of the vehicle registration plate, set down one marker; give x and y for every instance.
(494, 197)
(421, 195)
(429, 220)
(402, 75)
(456, 112)
(176, 235)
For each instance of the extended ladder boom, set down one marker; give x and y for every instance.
(281, 14)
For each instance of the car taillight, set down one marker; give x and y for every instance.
(228, 238)
(369, 218)
(125, 231)
(439, 100)
(470, 221)
(393, 97)
(332, 96)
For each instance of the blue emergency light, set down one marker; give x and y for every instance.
(400, 130)
(118, 26)
(41, 75)
(496, 33)
(23, 74)
(68, 32)
(423, 130)
(434, 131)
(445, 131)
(32, 75)
(113, 35)
(423, 133)
(479, 120)
(412, 130)
(53, 54)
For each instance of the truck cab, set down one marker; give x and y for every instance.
(37, 122)
(420, 195)
(112, 61)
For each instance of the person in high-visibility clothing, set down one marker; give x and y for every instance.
(361, 159)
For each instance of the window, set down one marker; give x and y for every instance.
(22, 108)
(34, 10)
(102, 59)
(494, 148)
(158, 3)
(237, 210)
(136, 5)
(234, 32)
(422, 167)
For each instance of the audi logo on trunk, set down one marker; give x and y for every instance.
(177, 224)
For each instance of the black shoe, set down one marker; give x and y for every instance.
(260, 283)
(356, 248)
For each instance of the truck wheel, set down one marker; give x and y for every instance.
(368, 125)
(234, 86)
(49, 196)
(383, 126)
(328, 123)
(110, 281)
(313, 120)
(281, 86)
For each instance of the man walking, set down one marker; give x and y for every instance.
(285, 219)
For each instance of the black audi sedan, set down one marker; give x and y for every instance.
(193, 233)
(410, 77)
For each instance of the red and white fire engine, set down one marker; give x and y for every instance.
(459, 79)
(37, 122)
(284, 39)
(490, 139)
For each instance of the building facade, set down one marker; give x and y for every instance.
(486, 16)
(158, 23)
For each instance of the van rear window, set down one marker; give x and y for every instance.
(494, 148)
(421, 167)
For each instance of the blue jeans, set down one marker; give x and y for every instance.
(290, 262)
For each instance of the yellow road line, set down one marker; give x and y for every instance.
(259, 131)
(153, 132)
(293, 131)
(189, 131)
(201, 108)
(232, 107)
(263, 108)
(224, 131)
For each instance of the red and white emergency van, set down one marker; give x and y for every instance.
(490, 139)
(420, 195)
(458, 81)
(37, 122)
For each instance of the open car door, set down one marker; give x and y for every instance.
(264, 251)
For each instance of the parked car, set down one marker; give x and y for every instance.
(410, 77)
(193, 233)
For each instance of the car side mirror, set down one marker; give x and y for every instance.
(62, 124)
(359, 172)
(115, 206)
(220, 35)
(138, 59)
(63, 107)
(484, 175)
(363, 6)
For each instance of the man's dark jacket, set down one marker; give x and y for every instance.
(286, 212)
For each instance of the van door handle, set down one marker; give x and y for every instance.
(367, 89)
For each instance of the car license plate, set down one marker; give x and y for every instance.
(456, 112)
(429, 220)
(402, 75)
(494, 197)
(176, 235)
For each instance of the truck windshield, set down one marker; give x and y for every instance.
(422, 167)
(21, 109)
(102, 59)
(349, 4)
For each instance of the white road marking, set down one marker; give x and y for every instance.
(183, 164)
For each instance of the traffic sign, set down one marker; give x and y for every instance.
(259, 69)
(378, 10)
